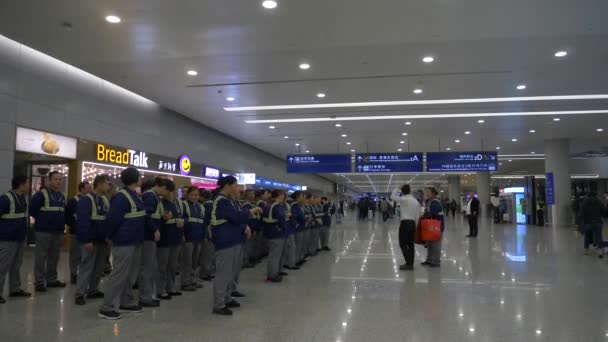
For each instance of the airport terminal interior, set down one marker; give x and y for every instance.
(284, 170)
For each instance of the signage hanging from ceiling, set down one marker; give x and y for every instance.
(318, 163)
(461, 161)
(211, 172)
(246, 178)
(388, 162)
(39, 142)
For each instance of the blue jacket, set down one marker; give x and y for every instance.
(91, 224)
(170, 235)
(70, 214)
(298, 215)
(154, 212)
(290, 221)
(227, 222)
(275, 221)
(13, 221)
(126, 220)
(50, 216)
(327, 215)
(194, 213)
(255, 222)
(317, 213)
(208, 206)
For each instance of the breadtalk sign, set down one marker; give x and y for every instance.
(126, 157)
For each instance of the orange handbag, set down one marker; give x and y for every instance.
(430, 229)
(418, 234)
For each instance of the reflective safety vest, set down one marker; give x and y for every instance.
(178, 207)
(12, 210)
(77, 198)
(288, 212)
(214, 220)
(47, 202)
(134, 213)
(94, 213)
(189, 214)
(160, 209)
(270, 218)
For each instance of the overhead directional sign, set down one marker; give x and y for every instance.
(318, 163)
(461, 161)
(388, 162)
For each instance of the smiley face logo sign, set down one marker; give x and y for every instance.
(185, 165)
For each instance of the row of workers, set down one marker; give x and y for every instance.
(148, 234)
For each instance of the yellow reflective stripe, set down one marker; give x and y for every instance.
(170, 221)
(160, 209)
(52, 209)
(189, 213)
(94, 214)
(47, 202)
(12, 214)
(270, 219)
(134, 213)
(214, 220)
(196, 220)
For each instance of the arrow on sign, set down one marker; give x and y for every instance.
(360, 158)
(290, 160)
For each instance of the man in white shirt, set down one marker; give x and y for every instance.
(410, 214)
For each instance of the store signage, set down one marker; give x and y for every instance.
(549, 188)
(318, 163)
(166, 166)
(32, 141)
(185, 165)
(212, 172)
(126, 157)
(461, 161)
(388, 162)
(246, 178)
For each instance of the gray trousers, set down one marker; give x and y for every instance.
(300, 240)
(289, 251)
(238, 266)
(11, 258)
(324, 236)
(90, 268)
(434, 252)
(207, 259)
(46, 257)
(149, 272)
(226, 260)
(190, 255)
(313, 243)
(275, 254)
(248, 251)
(126, 261)
(75, 255)
(167, 265)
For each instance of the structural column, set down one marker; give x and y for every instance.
(483, 192)
(7, 154)
(454, 188)
(556, 161)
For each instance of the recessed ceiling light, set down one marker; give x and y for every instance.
(521, 87)
(538, 332)
(307, 151)
(404, 134)
(286, 137)
(344, 135)
(428, 59)
(561, 53)
(499, 164)
(297, 144)
(417, 91)
(408, 123)
(271, 127)
(230, 99)
(352, 150)
(304, 66)
(192, 72)
(510, 160)
(338, 125)
(467, 132)
(270, 4)
(498, 147)
(399, 149)
(402, 142)
(532, 131)
(113, 19)
(556, 119)
(514, 140)
(348, 143)
(448, 148)
(321, 95)
(457, 141)
(599, 129)
(532, 152)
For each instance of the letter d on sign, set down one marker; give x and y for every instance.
(100, 152)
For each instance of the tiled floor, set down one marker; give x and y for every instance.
(515, 283)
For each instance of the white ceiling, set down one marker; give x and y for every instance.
(359, 50)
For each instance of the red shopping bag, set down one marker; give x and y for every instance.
(430, 229)
(418, 234)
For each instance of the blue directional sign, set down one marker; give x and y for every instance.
(318, 163)
(461, 161)
(549, 188)
(388, 162)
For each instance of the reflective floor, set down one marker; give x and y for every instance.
(515, 283)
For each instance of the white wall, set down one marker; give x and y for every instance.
(40, 92)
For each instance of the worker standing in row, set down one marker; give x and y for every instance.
(70, 220)
(275, 225)
(207, 255)
(289, 250)
(297, 213)
(171, 237)
(194, 233)
(328, 210)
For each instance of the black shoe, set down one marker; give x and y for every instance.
(73, 280)
(275, 280)
(111, 315)
(40, 288)
(175, 294)
(132, 308)
(223, 312)
(107, 271)
(189, 288)
(299, 263)
(283, 273)
(95, 295)
(198, 286)
(233, 304)
(151, 304)
(207, 278)
(80, 300)
(292, 268)
(434, 265)
(20, 293)
(406, 267)
(425, 263)
(164, 296)
(327, 249)
(318, 250)
(2, 300)
(135, 286)
(56, 283)
(237, 294)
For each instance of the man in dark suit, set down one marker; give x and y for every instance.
(473, 215)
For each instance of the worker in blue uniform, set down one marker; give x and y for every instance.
(316, 214)
(251, 252)
(328, 210)
(289, 250)
(70, 220)
(227, 234)
(207, 256)
(194, 233)
(275, 226)
(171, 238)
(234, 292)
(152, 192)
(91, 212)
(125, 228)
(263, 198)
(308, 213)
(299, 217)
(48, 209)
(13, 230)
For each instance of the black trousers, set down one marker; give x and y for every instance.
(407, 230)
(473, 228)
